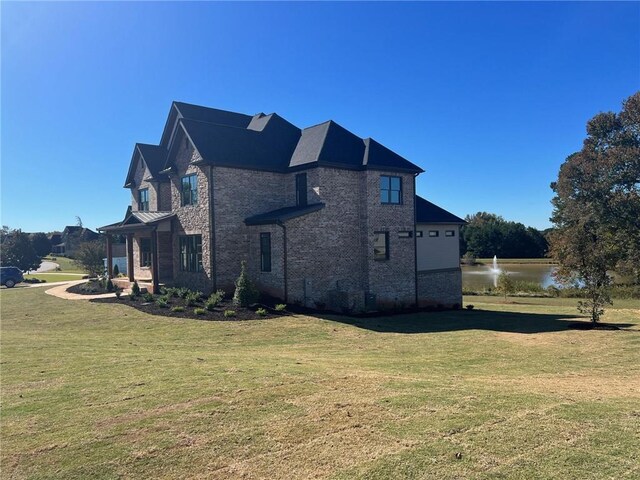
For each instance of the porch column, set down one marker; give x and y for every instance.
(130, 256)
(154, 261)
(109, 257)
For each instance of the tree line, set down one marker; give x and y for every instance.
(488, 234)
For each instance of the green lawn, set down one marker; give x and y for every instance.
(104, 391)
(56, 276)
(67, 265)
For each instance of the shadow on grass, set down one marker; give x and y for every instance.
(450, 321)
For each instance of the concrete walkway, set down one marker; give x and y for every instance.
(60, 291)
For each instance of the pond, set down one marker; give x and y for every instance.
(483, 276)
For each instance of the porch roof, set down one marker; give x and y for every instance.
(282, 214)
(137, 221)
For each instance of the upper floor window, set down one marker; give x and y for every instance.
(143, 200)
(301, 189)
(189, 189)
(390, 190)
(191, 253)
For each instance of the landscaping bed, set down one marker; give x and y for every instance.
(185, 303)
(92, 287)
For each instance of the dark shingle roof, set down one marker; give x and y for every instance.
(269, 142)
(267, 149)
(427, 212)
(154, 156)
(282, 214)
(213, 115)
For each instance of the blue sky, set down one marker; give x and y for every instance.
(489, 98)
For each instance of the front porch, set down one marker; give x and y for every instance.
(149, 249)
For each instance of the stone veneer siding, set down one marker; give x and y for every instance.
(191, 219)
(140, 174)
(440, 287)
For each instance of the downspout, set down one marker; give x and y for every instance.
(415, 240)
(284, 258)
(212, 235)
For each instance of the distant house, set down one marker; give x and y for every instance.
(322, 216)
(70, 238)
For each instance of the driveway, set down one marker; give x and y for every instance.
(46, 266)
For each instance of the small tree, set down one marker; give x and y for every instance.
(90, 257)
(246, 293)
(505, 284)
(17, 251)
(116, 270)
(135, 289)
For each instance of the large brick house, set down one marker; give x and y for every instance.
(321, 216)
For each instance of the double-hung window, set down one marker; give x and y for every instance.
(191, 253)
(390, 190)
(143, 200)
(381, 246)
(145, 252)
(265, 252)
(189, 189)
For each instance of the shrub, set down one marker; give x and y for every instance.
(162, 302)
(118, 293)
(108, 285)
(192, 298)
(246, 293)
(183, 292)
(229, 313)
(217, 297)
(132, 296)
(261, 311)
(135, 289)
(177, 309)
(116, 270)
(199, 311)
(281, 307)
(469, 307)
(171, 291)
(210, 304)
(148, 297)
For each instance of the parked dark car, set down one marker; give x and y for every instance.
(9, 276)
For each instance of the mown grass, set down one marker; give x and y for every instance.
(504, 391)
(55, 276)
(67, 265)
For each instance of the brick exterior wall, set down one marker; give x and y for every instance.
(329, 253)
(440, 287)
(324, 248)
(393, 280)
(239, 194)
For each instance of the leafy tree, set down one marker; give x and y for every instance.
(41, 244)
(597, 207)
(17, 251)
(246, 293)
(89, 256)
(488, 234)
